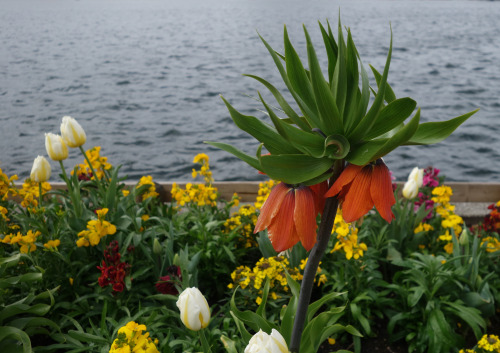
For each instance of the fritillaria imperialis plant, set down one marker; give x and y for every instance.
(335, 142)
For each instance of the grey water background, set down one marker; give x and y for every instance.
(143, 77)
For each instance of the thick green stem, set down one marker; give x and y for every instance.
(324, 232)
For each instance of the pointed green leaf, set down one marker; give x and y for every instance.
(328, 112)
(256, 322)
(312, 117)
(389, 93)
(331, 51)
(306, 142)
(298, 78)
(314, 307)
(391, 116)
(236, 152)
(374, 149)
(434, 132)
(339, 82)
(273, 141)
(294, 169)
(283, 103)
(368, 120)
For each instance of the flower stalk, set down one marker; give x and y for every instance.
(93, 171)
(317, 252)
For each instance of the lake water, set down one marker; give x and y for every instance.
(143, 77)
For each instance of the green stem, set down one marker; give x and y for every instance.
(40, 195)
(93, 171)
(204, 342)
(317, 252)
(65, 176)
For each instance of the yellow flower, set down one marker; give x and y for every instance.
(7, 185)
(96, 230)
(490, 343)
(449, 248)
(200, 157)
(125, 192)
(72, 133)
(492, 244)
(131, 340)
(331, 341)
(151, 191)
(71, 281)
(52, 244)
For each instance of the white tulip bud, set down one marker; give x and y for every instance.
(417, 175)
(195, 313)
(41, 170)
(56, 147)
(261, 342)
(72, 133)
(410, 189)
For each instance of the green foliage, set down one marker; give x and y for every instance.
(335, 120)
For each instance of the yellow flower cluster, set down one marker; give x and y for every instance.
(151, 191)
(492, 244)
(3, 214)
(52, 245)
(449, 220)
(31, 192)
(244, 222)
(131, 340)
(322, 277)
(26, 242)
(263, 193)
(490, 343)
(347, 238)
(96, 230)
(7, 185)
(272, 268)
(99, 164)
(204, 171)
(197, 194)
(423, 227)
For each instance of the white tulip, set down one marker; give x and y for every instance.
(417, 175)
(261, 342)
(41, 170)
(56, 147)
(72, 133)
(195, 312)
(410, 189)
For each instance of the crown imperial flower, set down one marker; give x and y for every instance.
(289, 214)
(361, 187)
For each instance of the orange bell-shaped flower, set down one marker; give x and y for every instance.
(289, 214)
(361, 187)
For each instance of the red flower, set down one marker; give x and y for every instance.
(361, 187)
(289, 214)
(166, 284)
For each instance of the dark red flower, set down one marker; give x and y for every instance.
(166, 284)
